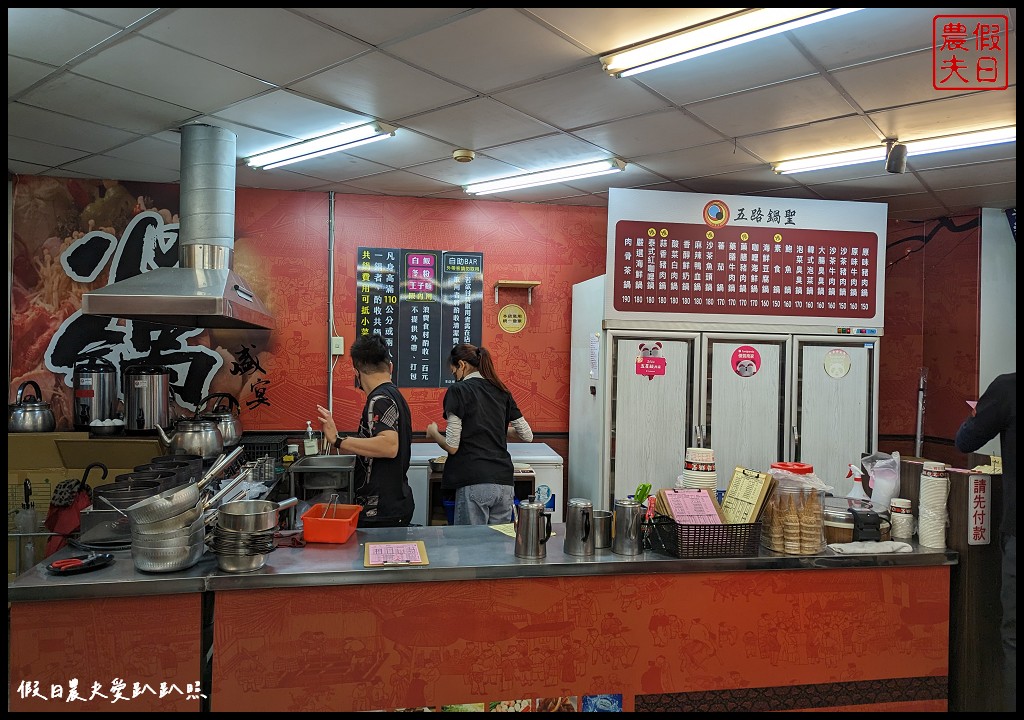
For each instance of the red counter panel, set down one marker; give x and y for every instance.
(844, 639)
(139, 654)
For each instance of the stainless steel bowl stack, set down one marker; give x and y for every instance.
(244, 534)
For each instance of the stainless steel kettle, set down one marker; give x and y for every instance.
(194, 437)
(30, 414)
(533, 528)
(579, 527)
(226, 417)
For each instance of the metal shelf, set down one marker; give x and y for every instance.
(528, 284)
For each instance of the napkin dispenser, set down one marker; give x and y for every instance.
(867, 525)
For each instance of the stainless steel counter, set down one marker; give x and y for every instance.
(454, 553)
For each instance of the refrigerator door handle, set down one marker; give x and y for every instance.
(796, 441)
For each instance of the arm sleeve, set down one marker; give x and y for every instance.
(384, 415)
(522, 428)
(453, 433)
(990, 416)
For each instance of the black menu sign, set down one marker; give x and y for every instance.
(422, 302)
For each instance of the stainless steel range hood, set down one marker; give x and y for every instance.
(203, 291)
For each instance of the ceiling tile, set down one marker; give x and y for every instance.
(23, 73)
(121, 17)
(161, 153)
(382, 87)
(490, 50)
(42, 153)
(898, 81)
(741, 182)
(377, 28)
(123, 170)
(962, 113)
(970, 175)
(545, 153)
(610, 29)
(50, 127)
(649, 134)
(596, 104)
(863, 36)
(711, 159)
(997, 195)
(876, 186)
(157, 69)
(238, 38)
(246, 176)
(104, 104)
(291, 115)
(406, 149)
(780, 106)
(52, 35)
(848, 133)
(728, 71)
(478, 124)
(479, 170)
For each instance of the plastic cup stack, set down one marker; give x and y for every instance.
(698, 470)
(932, 511)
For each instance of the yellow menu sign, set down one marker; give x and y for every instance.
(745, 496)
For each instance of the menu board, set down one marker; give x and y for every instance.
(745, 263)
(423, 302)
(685, 267)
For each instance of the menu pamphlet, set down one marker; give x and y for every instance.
(745, 496)
(380, 554)
(689, 506)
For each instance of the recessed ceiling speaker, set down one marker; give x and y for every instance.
(896, 158)
(463, 155)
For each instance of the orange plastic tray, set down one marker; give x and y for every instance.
(337, 527)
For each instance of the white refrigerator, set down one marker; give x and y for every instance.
(812, 399)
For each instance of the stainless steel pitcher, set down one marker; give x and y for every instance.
(579, 527)
(626, 528)
(533, 528)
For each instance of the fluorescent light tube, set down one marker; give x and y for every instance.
(323, 145)
(726, 32)
(916, 147)
(546, 177)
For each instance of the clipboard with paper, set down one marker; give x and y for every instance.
(387, 554)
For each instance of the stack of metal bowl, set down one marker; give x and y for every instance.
(244, 534)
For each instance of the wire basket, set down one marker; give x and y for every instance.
(264, 446)
(664, 535)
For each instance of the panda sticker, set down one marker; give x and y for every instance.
(746, 361)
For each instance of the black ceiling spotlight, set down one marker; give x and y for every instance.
(895, 157)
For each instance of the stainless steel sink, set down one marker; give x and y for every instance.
(313, 463)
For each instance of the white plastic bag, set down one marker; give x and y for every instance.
(883, 478)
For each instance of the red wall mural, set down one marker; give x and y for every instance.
(282, 248)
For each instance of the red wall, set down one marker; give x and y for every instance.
(282, 250)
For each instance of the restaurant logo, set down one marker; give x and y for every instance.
(970, 52)
(716, 214)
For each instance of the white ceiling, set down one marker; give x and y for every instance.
(100, 93)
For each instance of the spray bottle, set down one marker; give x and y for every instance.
(857, 491)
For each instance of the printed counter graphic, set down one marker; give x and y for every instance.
(665, 267)
(423, 303)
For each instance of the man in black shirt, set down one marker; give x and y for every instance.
(383, 445)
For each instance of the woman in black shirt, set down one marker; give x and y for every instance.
(481, 416)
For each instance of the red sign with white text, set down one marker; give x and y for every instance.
(733, 270)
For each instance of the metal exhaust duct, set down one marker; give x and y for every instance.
(203, 291)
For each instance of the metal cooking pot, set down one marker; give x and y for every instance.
(166, 478)
(194, 437)
(194, 533)
(30, 414)
(167, 559)
(195, 463)
(188, 516)
(178, 499)
(226, 416)
(182, 471)
(252, 515)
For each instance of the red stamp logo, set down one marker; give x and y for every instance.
(970, 52)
